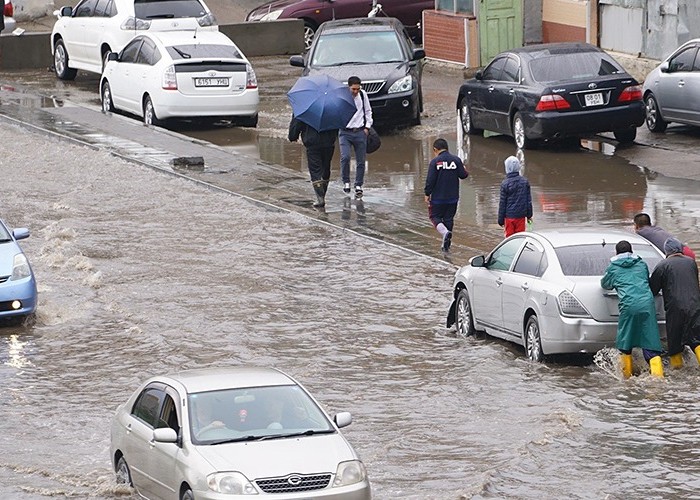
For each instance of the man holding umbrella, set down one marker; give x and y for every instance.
(321, 105)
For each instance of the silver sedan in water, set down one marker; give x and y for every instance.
(541, 290)
(227, 433)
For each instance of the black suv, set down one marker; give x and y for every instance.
(381, 53)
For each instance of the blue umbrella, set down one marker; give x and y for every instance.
(322, 102)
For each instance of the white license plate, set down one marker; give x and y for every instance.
(211, 82)
(594, 99)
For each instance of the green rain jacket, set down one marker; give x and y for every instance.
(628, 274)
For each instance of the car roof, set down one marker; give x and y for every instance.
(218, 378)
(547, 49)
(170, 38)
(564, 237)
(362, 24)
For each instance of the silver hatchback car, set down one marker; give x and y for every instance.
(541, 290)
(227, 433)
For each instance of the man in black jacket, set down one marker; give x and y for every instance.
(320, 147)
(442, 190)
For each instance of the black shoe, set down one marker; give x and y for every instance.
(346, 188)
(358, 192)
(447, 241)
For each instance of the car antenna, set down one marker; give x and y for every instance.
(603, 241)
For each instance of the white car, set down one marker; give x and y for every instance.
(186, 74)
(227, 433)
(83, 35)
(541, 290)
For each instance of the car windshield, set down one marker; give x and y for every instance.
(369, 47)
(4, 235)
(187, 51)
(572, 66)
(254, 413)
(593, 260)
(154, 9)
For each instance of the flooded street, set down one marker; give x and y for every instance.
(141, 272)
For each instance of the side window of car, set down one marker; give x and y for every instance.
(86, 8)
(168, 415)
(146, 53)
(102, 8)
(502, 257)
(111, 9)
(493, 70)
(684, 60)
(532, 260)
(148, 405)
(131, 51)
(511, 70)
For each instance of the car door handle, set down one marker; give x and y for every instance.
(492, 88)
(128, 429)
(499, 282)
(681, 83)
(525, 286)
(511, 91)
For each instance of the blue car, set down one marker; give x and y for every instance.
(18, 296)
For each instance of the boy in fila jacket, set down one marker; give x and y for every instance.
(442, 190)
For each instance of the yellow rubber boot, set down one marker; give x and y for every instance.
(626, 364)
(656, 366)
(676, 360)
(697, 353)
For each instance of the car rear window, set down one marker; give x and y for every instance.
(196, 51)
(593, 260)
(154, 9)
(361, 48)
(572, 66)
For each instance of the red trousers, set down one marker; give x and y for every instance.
(513, 226)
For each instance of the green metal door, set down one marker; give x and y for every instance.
(500, 27)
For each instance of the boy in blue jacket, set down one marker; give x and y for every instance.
(442, 190)
(515, 204)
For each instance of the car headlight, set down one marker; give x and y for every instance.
(133, 24)
(570, 305)
(348, 473)
(231, 483)
(402, 85)
(20, 267)
(272, 15)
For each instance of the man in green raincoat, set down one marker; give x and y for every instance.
(628, 274)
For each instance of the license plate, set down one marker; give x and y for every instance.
(594, 99)
(211, 82)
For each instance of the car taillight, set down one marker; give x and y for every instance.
(133, 24)
(631, 93)
(570, 305)
(169, 78)
(9, 10)
(552, 102)
(251, 81)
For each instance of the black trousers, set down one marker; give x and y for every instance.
(319, 161)
(682, 328)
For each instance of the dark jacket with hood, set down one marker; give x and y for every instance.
(516, 200)
(312, 138)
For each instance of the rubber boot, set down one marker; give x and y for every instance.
(676, 360)
(697, 353)
(320, 194)
(656, 367)
(626, 364)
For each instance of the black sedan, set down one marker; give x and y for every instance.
(548, 91)
(381, 53)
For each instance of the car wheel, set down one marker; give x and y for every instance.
(248, 121)
(466, 118)
(60, 62)
(533, 342)
(464, 321)
(309, 33)
(519, 133)
(107, 104)
(654, 121)
(123, 472)
(149, 113)
(626, 136)
(187, 494)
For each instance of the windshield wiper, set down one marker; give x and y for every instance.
(310, 432)
(184, 55)
(5, 240)
(238, 439)
(160, 16)
(351, 62)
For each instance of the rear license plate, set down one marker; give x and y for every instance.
(594, 99)
(211, 82)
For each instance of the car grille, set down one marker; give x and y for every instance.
(3, 279)
(372, 87)
(294, 483)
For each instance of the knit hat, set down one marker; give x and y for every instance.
(673, 245)
(512, 164)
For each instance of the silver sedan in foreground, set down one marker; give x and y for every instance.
(541, 290)
(227, 433)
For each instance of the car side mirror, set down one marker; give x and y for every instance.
(479, 75)
(66, 11)
(342, 419)
(418, 54)
(297, 61)
(164, 435)
(112, 56)
(664, 67)
(20, 233)
(477, 261)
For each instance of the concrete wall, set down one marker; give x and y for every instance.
(33, 50)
